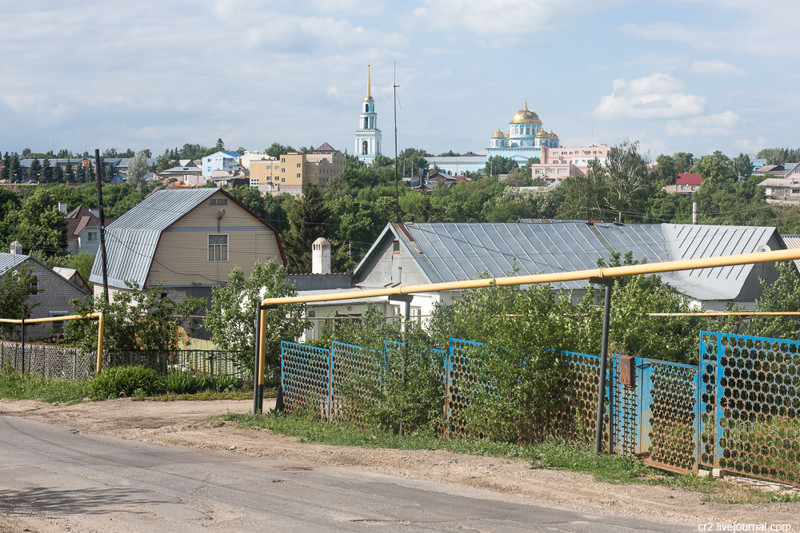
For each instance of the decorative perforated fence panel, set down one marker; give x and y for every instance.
(580, 418)
(356, 385)
(670, 414)
(626, 413)
(463, 384)
(750, 405)
(306, 378)
(48, 361)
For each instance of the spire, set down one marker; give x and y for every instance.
(369, 86)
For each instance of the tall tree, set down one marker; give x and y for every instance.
(5, 172)
(69, 172)
(683, 162)
(47, 171)
(232, 315)
(17, 284)
(310, 219)
(628, 181)
(35, 170)
(742, 166)
(137, 168)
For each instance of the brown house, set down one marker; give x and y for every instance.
(187, 240)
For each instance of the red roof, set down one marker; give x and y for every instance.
(688, 179)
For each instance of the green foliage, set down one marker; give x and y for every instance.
(135, 320)
(497, 164)
(17, 285)
(265, 207)
(123, 381)
(778, 156)
(29, 387)
(38, 224)
(310, 219)
(781, 295)
(232, 315)
(137, 168)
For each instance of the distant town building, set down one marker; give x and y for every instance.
(527, 139)
(290, 172)
(685, 184)
(368, 136)
(220, 161)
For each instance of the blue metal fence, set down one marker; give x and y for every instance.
(737, 410)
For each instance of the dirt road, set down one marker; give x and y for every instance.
(182, 424)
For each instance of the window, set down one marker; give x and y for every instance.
(283, 160)
(298, 165)
(395, 246)
(218, 248)
(218, 201)
(58, 325)
(91, 236)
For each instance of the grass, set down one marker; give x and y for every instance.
(56, 391)
(547, 455)
(59, 391)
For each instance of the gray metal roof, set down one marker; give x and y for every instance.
(459, 251)
(10, 260)
(132, 238)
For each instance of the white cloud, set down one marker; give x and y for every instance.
(716, 68)
(656, 96)
(359, 7)
(705, 125)
(502, 17)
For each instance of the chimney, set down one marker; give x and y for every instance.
(16, 248)
(62, 206)
(695, 217)
(321, 256)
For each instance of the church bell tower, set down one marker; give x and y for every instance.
(368, 136)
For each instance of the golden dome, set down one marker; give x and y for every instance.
(553, 135)
(499, 134)
(542, 134)
(525, 116)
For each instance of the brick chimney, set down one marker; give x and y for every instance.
(321, 256)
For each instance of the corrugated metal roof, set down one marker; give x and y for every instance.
(131, 239)
(10, 260)
(459, 251)
(793, 241)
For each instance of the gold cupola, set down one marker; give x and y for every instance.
(368, 98)
(525, 116)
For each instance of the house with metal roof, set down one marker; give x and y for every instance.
(53, 293)
(420, 253)
(220, 161)
(187, 240)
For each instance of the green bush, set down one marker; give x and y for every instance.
(181, 382)
(123, 381)
(224, 383)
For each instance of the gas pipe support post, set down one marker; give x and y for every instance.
(601, 386)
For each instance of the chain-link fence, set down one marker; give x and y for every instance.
(46, 360)
(208, 362)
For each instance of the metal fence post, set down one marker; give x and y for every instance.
(258, 392)
(22, 338)
(601, 387)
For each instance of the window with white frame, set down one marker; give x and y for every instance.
(218, 248)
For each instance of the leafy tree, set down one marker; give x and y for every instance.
(81, 262)
(136, 319)
(664, 171)
(628, 181)
(683, 162)
(742, 166)
(411, 160)
(382, 161)
(715, 168)
(137, 168)
(266, 207)
(584, 196)
(310, 219)
(778, 156)
(40, 225)
(276, 149)
(498, 164)
(781, 295)
(232, 316)
(17, 284)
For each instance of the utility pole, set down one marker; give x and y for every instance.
(103, 256)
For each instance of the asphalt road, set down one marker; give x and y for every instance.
(62, 481)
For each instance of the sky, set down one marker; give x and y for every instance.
(675, 75)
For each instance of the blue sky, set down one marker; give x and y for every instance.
(677, 75)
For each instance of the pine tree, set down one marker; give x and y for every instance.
(15, 170)
(35, 171)
(69, 172)
(47, 171)
(5, 172)
(310, 218)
